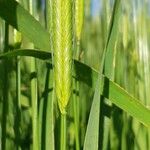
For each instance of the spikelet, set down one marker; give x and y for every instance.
(79, 13)
(62, 37)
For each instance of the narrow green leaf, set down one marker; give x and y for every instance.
(92, 136)
(125, 101)
(109, 69)
(111, 41)
(114, 92)
(111, 90)
(92, 133)
(20, 19)
(26, 52)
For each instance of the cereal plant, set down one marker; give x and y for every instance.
(74, 75)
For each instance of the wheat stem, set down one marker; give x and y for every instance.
(34, 96)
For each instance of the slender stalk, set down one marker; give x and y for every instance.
(49, 99)
(76, 114)
(63, 132)
(5, 91)
(46, 114)
(49, 118)
(34, 106)
(76, 102)
(18, 82)
(79, 13)
(34, 96)
(17, 43)
(18, 107)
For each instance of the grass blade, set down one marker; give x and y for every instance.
(92, 134)
(112, 91)
(115, 93)
(20, 19)
(109, 68)
(26, 52)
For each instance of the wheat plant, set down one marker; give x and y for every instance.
(74, 78)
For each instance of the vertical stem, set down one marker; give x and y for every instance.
(5, 91)
(76, 117)
(34, 95)
(63, 132)
(17, 44)
(18, 83)
(46, 129)
(76, 103)
(49, 131)
(18, 107)
(78, 16)
(49, 118)
(34, 105)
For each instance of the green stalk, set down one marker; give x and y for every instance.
(17, 42)
(34, 106)
(76, 102)
(49, 119)
(34, 96)
(49, 137)
(18, 82)
(78, 16)
(76, 114)
(5, 91)
(18, 91)
(63, 132)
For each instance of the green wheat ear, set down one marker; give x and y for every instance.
(62, 36)
(79, 13)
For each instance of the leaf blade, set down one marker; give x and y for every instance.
(119, 96)
(20, 19)
(26, 52)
